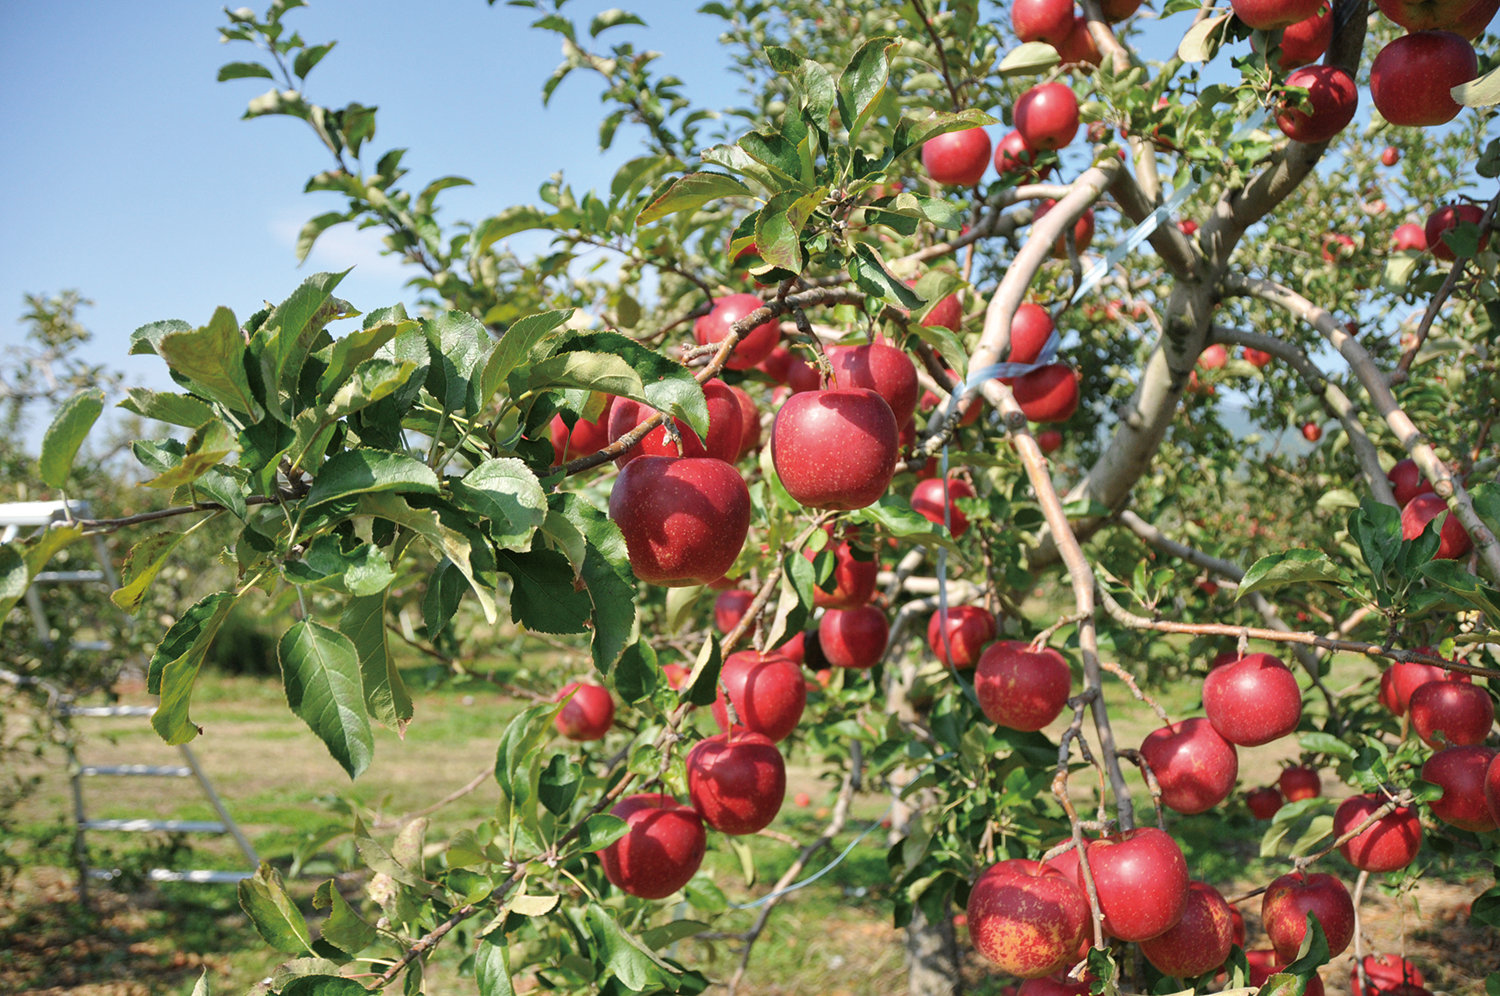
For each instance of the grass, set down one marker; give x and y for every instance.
(832, 937)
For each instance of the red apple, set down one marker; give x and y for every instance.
(1253, 701)
(1407, 480)
(1400, 679)
(1027, 918)
(1383, 973)
(725, 421)
(1115, 11)
(1079, 48)
(1051, 985)
(1083, 230)
(1391, 156)
(1257, 358)
(1047, 115)
(676, 675)
(835, 449)
(1460, 771)
(1492, 789)
(958, 158)
(1021, 689)
(1042, 20)
(927, 501)
(1141, 878)
(1449, 217)
(1264, 964)
(1423, 15)
(969, 628)
(1312, 432)
(1013, 155)
(736, 781)
(1472, 22)
(1188, 227)
(588, 714)
(1291, 897)
(584, 439)
(1029, 331)
(794, 649)
(853, 638)
(1410, 78)
(1333, 96)
(754, 346)
(749, 422)
(767, 691)
(662, 849)
(1050, 440)
(1200, 941)
(1048, 394)
(1213, 357)
(1194, 766)
(802, 799)
(730, 607)
(777, 364)
(1268, 14)
(946, 314)
(881, 368)
(1453, 540)
(1337, 247)
(802, 376)
(1409, 237)
(854, 580)
(1460, 713)
(1307, 40)
(1389, 843)
(1263, 802)
(684, 521)
(1300, 783)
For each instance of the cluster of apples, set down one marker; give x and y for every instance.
(1419, 506)
(1293, 785)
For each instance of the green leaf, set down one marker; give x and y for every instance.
(519, 745)
(910, 134)
(209, 444)
(200, 988)
(353, 349)
(1451, 575)
(324, 985)
(175, 409)
(667, 386)
(587, 371)
(599, 831)
(213, 359)
(1326, 743)
(429, 193)
(174, 667)
(308, 235)
(1483, 92)
(505, 491)
(353, 472)
(688, 193)
(446, 542)
(895, 514)
(1313, 952)
(445, 590)
(611, 583)
(289, 331)
(272, 912)
(23, 562)
(812, 82)
(863, 83)
(145, 339)
(868, 270)
(778, 228)
(518, 218)
(1376, 528)
(1295, 566)
(1029, 59)
(515, 346)
(460, 348)
(630, 961)
(702, 685)
(670, 933)
(636, 672)
(320, 669)
(243, 70)
(491, 967)
(558, 785)
(343, 928)
(142, 565)
(542, 597)
(386, 697)
(362, 570)
(777, 153)
(1202, 41)
(612, 18)
(74, 418)
(371, 381)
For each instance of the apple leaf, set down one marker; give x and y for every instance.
(1203, 39)
(1029, 59)
(1483, 92)
(688, 193)
(1295, 566)
(75, 417)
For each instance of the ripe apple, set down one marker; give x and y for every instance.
(1337, 247)
(1188, 227)
(881, 368)
(1449, 217)
(736, 781)
(777, 364)
(1472, 22)
(1454, 540)
(1142, 881)
(1213, 357)
(725, 421)
(1401, 679)
(660, 851)
(1079, 48)
(1194, 766)
(854, 580)
(1029, 331)
(927, 501)
(1257, 358)
(1409, 237)
(1423, 15)
(1267, 14)
(1050, 440)
(1307, 40)
(1083, 230)
(1051, 985)
(730, 607)
(588, 714)
(1300, 783)
(1333, 96)
(1027, 918)
(1263, 802)
(1411, 77)
(802, 800)
(1384, 973)
(676, 676)
(1312, 432)
(755, 345)
(1253, 701)
(969, 628)
(1391, 156)
(946, 314)
(1042, 20)
(802, 376)
(1391, 842)
(1047, 115)
(835, 449)
(1115, 11)
(1021, 689)
(794, 649)
(1462, 713)
(1048, 394)
(684, 521)
(1291, 897)
(1407, 480)
(958, 158)
(1200, 941)
(1492, 789)
(1013, 155)
(1460, 771)
(584, 439)
(853, 638)
(749, 422)
(767, 691)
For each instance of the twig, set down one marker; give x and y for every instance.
(401, 821)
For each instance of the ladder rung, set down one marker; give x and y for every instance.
(142, 826)
(163, 771)
(108, 711)
(168, 875)
(69, 576)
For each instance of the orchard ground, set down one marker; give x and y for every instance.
(834, 937)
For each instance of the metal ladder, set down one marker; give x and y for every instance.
(13, 517)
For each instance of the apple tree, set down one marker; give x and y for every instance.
(860, 383)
